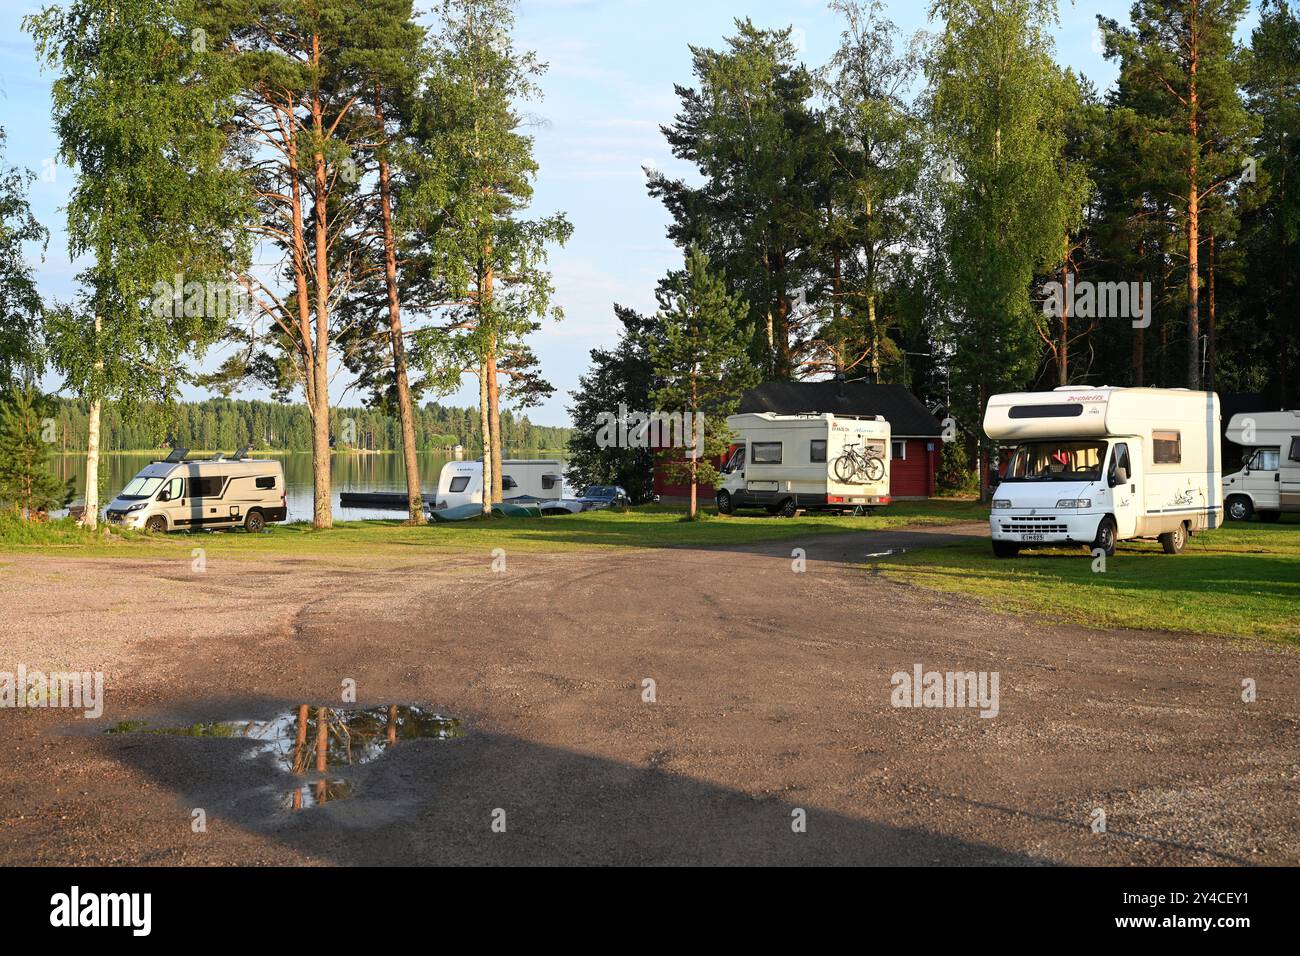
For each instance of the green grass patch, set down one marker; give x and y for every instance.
(649, 527)
(1241, 580)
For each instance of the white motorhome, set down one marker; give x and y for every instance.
(1269, 484)
(1099, 465)
(529, 479)
(179, 494)
(786, 463)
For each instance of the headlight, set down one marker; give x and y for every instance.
(139, 505)
(1000, 504)
(1074, 503)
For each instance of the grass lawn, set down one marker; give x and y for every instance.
(1241, 580)
(651, 526)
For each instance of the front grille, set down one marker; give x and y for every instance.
(1033, 524)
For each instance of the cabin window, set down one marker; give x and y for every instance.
(1166, 447)
(266, 483)
(206, 487)
(817, 450)
(737, 461)
(1295, 448)
(765, 453)
(1120, 460)
(176, 489)
(459, 483)
(898, 449)
(1059, 410)
(550, 481)
(1264, 459)
(508, 482)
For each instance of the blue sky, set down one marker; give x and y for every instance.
(613, 64)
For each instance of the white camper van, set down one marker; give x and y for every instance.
(179, 494)
(785, 463)
(530, 479)
(1099, 465)
(1269, 484)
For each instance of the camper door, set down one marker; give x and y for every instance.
(1123, 476)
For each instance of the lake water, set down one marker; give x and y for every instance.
(375, 472)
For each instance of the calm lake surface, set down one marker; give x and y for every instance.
(373, 472)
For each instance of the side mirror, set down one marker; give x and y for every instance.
(1120, 477)
(164, 496)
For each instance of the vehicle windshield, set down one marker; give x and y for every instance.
(1057, 461)
(141, 487)
(599, 491)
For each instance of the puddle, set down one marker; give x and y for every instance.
(318, 742)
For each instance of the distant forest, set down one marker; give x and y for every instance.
(226, 424)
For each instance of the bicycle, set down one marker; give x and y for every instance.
(852, 463)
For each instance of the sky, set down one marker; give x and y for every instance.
(608, 90)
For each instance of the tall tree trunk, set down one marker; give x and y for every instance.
(494, 422)
(405, 411)
(322, 504)
(90, 511)
(1139, 340)
(1211, 351)
(1193, 231)
(1063, 349)
(485, 426)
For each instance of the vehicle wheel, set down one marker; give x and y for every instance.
(156, 525)
(845, 469)
(1270, 516)
(1240, 508)
(1173, 541)
(724, 502)
(788, 508)
(254, 522)
(1105, 540)
(1005, 549)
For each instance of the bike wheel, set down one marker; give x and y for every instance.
(875, 469)
(845, 468)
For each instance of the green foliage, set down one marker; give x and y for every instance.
(20, 302)
(26, 433)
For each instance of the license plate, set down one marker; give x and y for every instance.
(1032, 536)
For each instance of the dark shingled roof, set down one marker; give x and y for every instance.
(903, 410)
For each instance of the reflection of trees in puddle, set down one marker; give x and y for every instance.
(308, 741)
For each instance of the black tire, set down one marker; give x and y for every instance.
(875, 469)
(788, 508)
(1105, 540)
(845, 469)
(1240, 508)
(1174, 541)
(724, 502)
(1270, 516)
(1005, 549)
(157, 524)
(254, 522)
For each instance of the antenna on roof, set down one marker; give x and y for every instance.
(177, 454)
(241, 454)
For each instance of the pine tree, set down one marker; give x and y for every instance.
(26, 482)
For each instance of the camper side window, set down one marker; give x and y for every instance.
(209, 487)
(1166, 447)
(766, 453)
(1295, 448)
(508, 482)
(817, 450)
(266, 482)
(459, 483)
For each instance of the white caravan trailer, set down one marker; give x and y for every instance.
(531, 479)
(785, 463)
(1099, 465)
(1269, 484)
(179, 494)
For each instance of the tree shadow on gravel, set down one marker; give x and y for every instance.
(436, 802)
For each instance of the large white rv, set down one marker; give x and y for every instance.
(1099, 465)
(530, 479)
(786, 463)
(180, 494)
(1269, 484)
